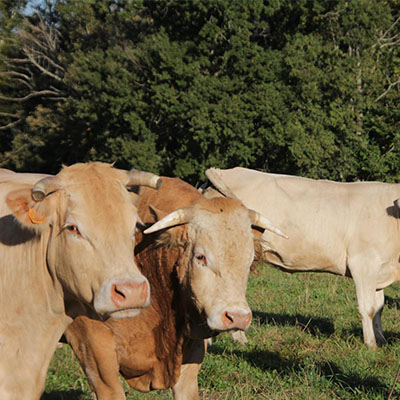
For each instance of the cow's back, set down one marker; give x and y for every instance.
(173, 194)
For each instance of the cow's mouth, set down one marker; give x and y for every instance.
(126, 313)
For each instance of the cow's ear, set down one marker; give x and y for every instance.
(156, 213)
(135, 198)
(166, 237)
(30, 213)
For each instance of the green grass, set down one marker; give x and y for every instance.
(305, 342)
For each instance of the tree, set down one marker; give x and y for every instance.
(339, 66)
(308, 87)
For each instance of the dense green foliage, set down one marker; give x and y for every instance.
(306, 87)
(305, 343)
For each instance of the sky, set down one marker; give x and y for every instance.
(30, 7)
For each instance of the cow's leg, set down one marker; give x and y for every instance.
(369, 303)
(93, 344)
(186, 388)
(377, 323)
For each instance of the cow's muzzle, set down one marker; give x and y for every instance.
(230, 318)
(236, 320)
(123, 297)
(130, 294)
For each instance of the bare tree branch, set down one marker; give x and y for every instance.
(4, 114)
(25, 83)
(40, 67)
(11, 124)
(23, 79)
(392, 27)
(391, 86)
(42, 56)
(36, 72)
(392, 43)
(15, 73)
(10, 61)
(30, 95)
(388, 38)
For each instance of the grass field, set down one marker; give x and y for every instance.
(305, 342)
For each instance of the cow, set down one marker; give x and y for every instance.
(349, 229)
(197, 257)
(66, 248)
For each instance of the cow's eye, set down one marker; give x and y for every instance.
(201, 258)
(73, 229)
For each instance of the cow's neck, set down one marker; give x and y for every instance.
(159, 266)
(33, 319)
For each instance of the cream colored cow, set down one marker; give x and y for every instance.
(350, 229)
(65, 241)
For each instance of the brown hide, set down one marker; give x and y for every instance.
(147, 349)
(167, 199)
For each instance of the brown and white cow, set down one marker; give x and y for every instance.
(350, 229)
(197, 259)
(65, 241)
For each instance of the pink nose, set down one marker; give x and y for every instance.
(130, 294)
(236, 320)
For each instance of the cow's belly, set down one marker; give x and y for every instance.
(388, 274)
(306, 265)
(307, 258)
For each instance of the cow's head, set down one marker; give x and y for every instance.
(85, 218)
(220, 250)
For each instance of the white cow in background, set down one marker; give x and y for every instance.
(349, 229)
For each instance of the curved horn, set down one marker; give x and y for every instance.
(178, 217)
(142, 178)
(45, 186)
(263, 222)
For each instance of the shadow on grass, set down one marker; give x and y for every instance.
(63, 395)
(390, 302)
(316, 326)
(355, 331)
(269, 361)
(390, 336)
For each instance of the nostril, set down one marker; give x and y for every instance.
(229, 317)
(117, 293)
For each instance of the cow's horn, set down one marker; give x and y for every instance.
(142, 178)
(263, 222)
(43, 187)
(178, 217)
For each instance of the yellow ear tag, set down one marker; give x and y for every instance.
(34, 217)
